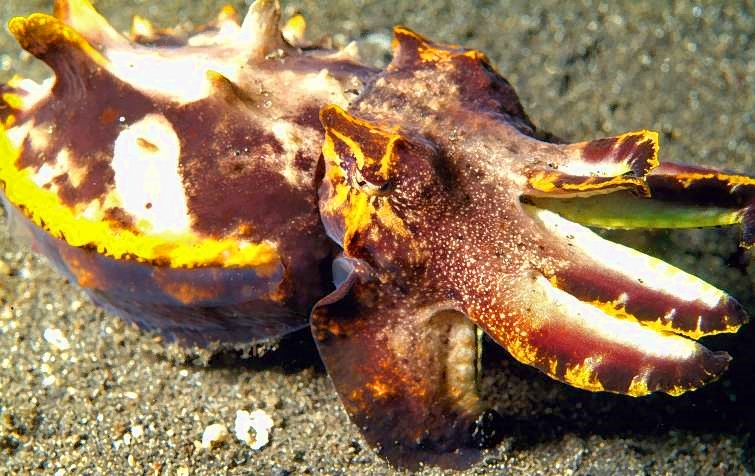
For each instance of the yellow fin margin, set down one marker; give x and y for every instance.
(187, 250)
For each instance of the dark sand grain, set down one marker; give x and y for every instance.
(116, 402)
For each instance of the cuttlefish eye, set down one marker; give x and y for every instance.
(362, 152)
(370, 168)
(370, 187)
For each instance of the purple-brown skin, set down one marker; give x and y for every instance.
(187, 202)
(434, 180)
(230, 169)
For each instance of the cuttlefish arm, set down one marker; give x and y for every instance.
(403, 360)
(405, 367)
(451, 215)
(682, 196)
(645, 194)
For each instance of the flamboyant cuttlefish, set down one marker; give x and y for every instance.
(176, 179)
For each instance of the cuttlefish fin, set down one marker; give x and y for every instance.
(404, 368)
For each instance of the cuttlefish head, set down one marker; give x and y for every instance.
(377, 197)
(404, 361)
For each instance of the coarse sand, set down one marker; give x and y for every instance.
(82, 393)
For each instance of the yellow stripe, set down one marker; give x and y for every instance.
(337, 200)
(186, 250)
(647, 136)
(390, 220)
(583, 376)
(388, 157)
(355, 148)
(433, 53)
(336, 177)
(389, 133)
(618, 310)
(357, 217)
(13, 100)
(545, 182)
(687, 179)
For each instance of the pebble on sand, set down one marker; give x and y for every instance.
(253, 428)
(214, 435)
(56, 339)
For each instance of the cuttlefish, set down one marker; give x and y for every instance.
(240, 182)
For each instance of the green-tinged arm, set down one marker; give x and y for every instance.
(680, 197)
